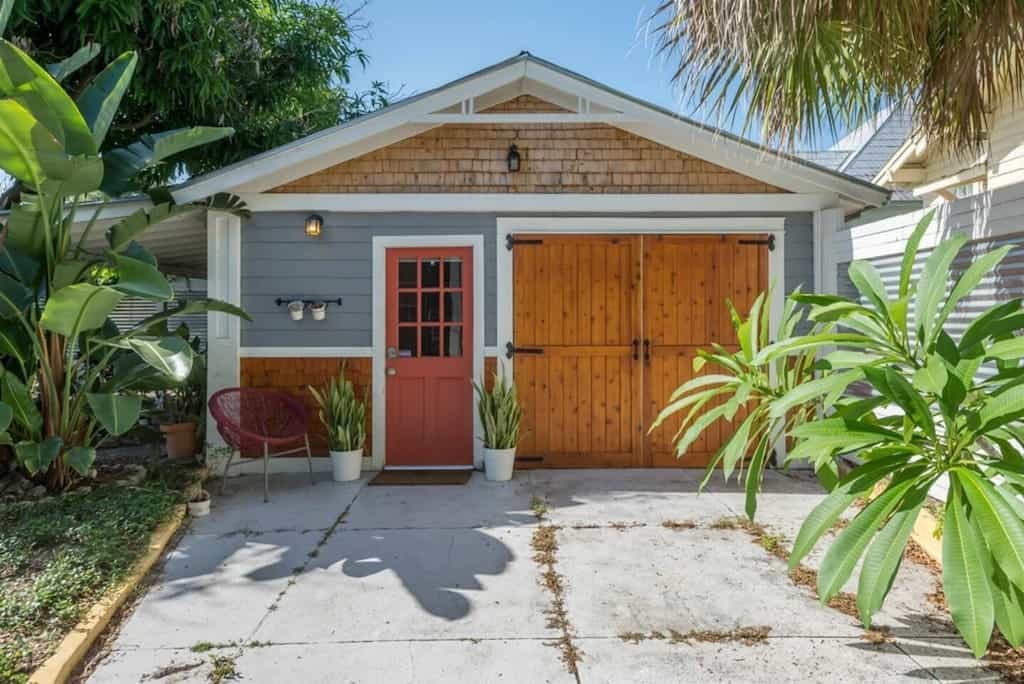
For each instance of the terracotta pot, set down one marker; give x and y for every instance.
(180, 439)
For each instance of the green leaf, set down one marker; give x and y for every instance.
(123, 164)
(80, 459)
(16, 395)
(1006, 350)
(932, 285)
(884, 555)
(754, 474)
(913, 405)
(99, 102)
(856, 483)
(14, 297)
(910, 252)
(868, 282)
(64, 68)
(121, 234)
(978, 269)
(80, 307)
(35, 457)
(1003, 530)
(984, 325)
(172, 356)
(116, 413)
(846, 550)
(964, 580)
(6, 416)
(1002, 408)
(27, 149)
(808, 391)
(1008, 601)
(22, 79)
(138, 279)
(932, 377)
(5, 13)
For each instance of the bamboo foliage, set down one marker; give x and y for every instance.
(342, 413)
(500, 413)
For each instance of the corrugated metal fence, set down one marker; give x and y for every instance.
(132, 310)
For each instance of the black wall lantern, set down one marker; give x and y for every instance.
(314, 225)
(513, 159)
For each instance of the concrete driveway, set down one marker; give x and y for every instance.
(628, 576)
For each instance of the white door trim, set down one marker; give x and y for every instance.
(381, 243)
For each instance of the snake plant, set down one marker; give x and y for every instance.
(499, 412)
(342, 413)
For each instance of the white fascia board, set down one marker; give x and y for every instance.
(687, 137)
(521, 118)
(313, 146)
(526, 203)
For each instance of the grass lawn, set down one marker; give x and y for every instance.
(58, 556)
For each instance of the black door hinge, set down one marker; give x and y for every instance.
(511, 242)
(770, 242)
(511, 350)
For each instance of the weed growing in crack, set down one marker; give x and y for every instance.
(679, 524)
(877, 635)
(223, 668)
(748, 636)
(539, 507)
(545, 547)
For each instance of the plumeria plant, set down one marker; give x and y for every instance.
(940, 407)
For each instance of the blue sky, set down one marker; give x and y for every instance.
(420, 44)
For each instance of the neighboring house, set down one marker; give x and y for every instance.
(865, 150)
(524, 219)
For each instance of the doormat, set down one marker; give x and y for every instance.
(392, 478)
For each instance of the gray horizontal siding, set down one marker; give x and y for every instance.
(279, 261)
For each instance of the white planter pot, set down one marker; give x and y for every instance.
(499, 463)
(198, 509)
(347, 465)
(296, 309)
(319, 314)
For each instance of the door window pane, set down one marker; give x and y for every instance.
(453, 272)
(406, 342)
(453, 340)
(453, 306)
(431, 269)
(431, 309)
(407, 307)
(430, 340)
(406, 273)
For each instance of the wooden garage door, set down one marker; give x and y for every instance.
(606, 328)
(576, 302)
(686, 280)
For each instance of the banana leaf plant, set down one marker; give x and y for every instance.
(65, 365)
(941, 407)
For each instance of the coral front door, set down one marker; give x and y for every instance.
(429, 363)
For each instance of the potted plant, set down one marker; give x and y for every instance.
(183, 405)
(319, 310)
(344, 416)
(199, 505)
(296, 309)
(500, 416)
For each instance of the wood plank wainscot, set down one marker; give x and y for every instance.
(294, 375)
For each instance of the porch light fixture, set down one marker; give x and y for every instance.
(314, 225)
(513, 159)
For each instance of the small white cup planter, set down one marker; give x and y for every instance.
(318, 310)
(499, 463)
(197, 509)
(347, 465)
(296, 310)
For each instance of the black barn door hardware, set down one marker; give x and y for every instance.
(770, 242)
(511, 351)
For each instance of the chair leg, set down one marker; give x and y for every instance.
(224, 476)
(309, 459)
(266, 473)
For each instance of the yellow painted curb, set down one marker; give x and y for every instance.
(924, 535)
(79, 640)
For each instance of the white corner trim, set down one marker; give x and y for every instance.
(539, 202)
(490, 352)
(507, 225)
(224, 282)
(306, 352)
(381, 243)
(827, 223)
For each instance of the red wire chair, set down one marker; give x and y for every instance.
(249, 419)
